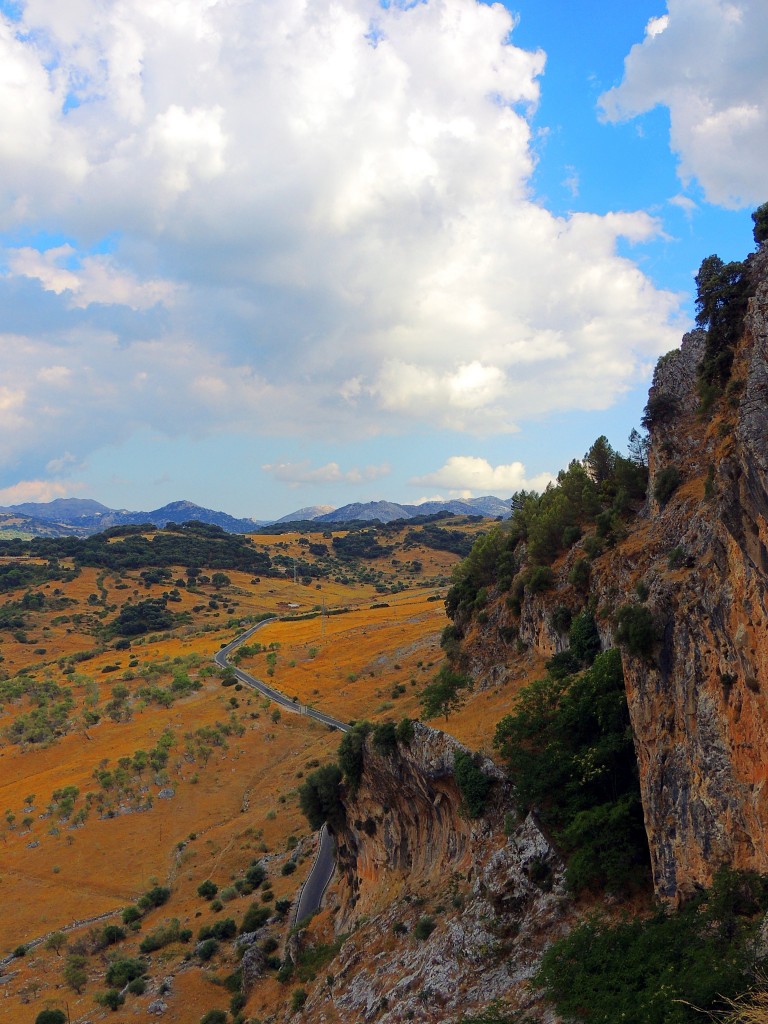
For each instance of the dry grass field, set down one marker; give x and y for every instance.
(157, 775)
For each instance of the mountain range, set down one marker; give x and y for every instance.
(84, 516)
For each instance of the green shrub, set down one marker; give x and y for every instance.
(558, 727)
(298, 998)
(214, 1017)
(112, 999)
(579, 575)
(288, 868)
(120, 972)
(584, 638)
(112, 934)
(673, 968)
(635, 629)
(424, 927)
(351, 753)
(207, 949)
(51, 1017)
(405, 731)
(539, 578)
(320, 797)
(155, 897)
(255, 917)
(473, 784)
(160, 937)
(384, 738)
(666, 483)
(444, 694)
(560, 618)
(207, 889)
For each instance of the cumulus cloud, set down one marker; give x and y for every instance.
(94, 278)
(468, 476)
(705, 61)
(297, 473)
(34, 490)
(319, 219)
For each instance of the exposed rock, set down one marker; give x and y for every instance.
(157, 1007)
(698, 700)
(252, 965)
(408, 836)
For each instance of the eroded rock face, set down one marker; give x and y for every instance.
(409, 849)
(699, 700)
(700, 709)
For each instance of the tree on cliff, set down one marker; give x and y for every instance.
(760, 220)
(320, 797)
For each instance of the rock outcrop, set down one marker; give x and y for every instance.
(409, 851)
(699, 699)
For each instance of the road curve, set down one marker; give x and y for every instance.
(316, 882)
(222, 660)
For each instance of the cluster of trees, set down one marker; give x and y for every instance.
(192, 544)
(602, 490)
(439, 539)
(320, 796)
(569, 749)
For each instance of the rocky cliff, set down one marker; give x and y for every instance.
(698, 697)
(699, 706)
(409, 854)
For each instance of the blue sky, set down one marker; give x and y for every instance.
(275, 254)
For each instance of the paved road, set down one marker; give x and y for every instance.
(222, 659)
(325, 860)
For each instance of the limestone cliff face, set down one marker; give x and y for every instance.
(409, 850)
(699, 701)
(700, 706)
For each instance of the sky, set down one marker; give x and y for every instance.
(264, 254)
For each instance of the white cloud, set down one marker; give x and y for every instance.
(320, 222)
(297, 473)
(35, 490)
(468, 476)
(706, 61)
(94, 279)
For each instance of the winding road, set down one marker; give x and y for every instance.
(316, 882)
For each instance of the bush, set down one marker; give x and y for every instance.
(584, 638)
(112, 999)
(155, 897)
(131, 915)
(160, 937)
(214, 1017)
(350, 754)
(560, 618)
(635, 629)
(207, 889)
(539, 578)
(207, 949)
(443, 695)
(666, 483)
(111, 935)
(255, 917)
(473, 784)
(384, 738)
(298, 998)
(320, 797)
(288, 868)
(405, 731)
(424, 927)
(579, 575)
(120, 972)
(51, 1017)
(559, 727)
(674, 968)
